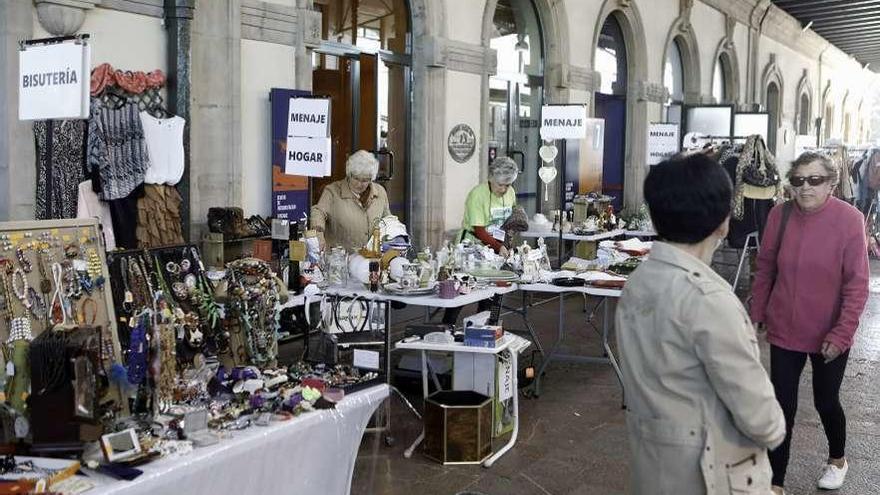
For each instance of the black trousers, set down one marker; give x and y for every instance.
(785, 373)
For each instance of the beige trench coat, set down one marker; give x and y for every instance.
(701, 408)
(342, 220)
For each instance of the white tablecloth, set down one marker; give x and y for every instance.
(311, 454)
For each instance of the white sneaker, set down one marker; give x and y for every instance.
(833, 476)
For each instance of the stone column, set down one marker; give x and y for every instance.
(215, 121)
(17, 171)
(178, 22)
(308, 37)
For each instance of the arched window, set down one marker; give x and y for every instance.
(673, 80)
(828, 121)
(847, 128)
(804, 115)
(773, 111)
(516, 93)
(611, 58)
(719, 92)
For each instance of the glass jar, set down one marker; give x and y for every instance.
(337, 267)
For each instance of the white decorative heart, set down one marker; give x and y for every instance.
(548, 153)
(547, 174)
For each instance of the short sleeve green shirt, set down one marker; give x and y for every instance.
(483, 209)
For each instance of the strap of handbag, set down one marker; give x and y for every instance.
(786, 214)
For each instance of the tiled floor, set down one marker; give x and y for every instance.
(573, 439)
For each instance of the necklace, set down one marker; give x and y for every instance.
(21, 289)
(137, 353)
(23, 261)
(58, 311)
(6, 290)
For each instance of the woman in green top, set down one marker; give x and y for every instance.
(489, 205)
(487, 208)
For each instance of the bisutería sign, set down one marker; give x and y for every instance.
(563, 122)
(53, 81)
(308, 137)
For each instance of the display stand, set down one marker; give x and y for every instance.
(60, 269)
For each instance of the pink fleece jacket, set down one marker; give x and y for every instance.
(816, 289)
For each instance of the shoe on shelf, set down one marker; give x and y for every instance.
(833, 476)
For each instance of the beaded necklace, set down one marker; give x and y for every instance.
(137, 353)
(254, 295)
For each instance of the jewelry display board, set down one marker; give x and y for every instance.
(53, 276)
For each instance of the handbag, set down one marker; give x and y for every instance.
(759, 168)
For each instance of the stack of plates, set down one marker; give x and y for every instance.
(397, 290)
(489, 275)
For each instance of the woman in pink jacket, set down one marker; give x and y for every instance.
(809, 292)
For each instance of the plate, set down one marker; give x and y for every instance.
(495, 275)
(397, 290)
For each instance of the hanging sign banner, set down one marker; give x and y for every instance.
(662, 142)
(563, 122)
(290, 193)
(53, 81)
(308, 156)
(309, 117)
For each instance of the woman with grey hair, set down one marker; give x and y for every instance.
(486, 208)
(809, 293)
(489, 205)
(348, 208)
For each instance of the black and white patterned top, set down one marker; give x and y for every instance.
(117, 149)
(61, 160)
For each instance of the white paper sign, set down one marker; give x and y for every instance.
(366, 359)
(662, 142)
(563, 122)
(309, 117)
(505, 380)
(53, 82)
(308, 156)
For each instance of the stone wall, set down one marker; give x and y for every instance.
(241, 48)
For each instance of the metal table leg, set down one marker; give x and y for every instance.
(605, 322)
(560, 335)
(409, 451)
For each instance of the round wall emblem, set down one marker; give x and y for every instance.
(461, 143)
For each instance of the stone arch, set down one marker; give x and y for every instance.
(727, 49)
(554, 29)
(682, 33)
(554, 35)
(804, 88)
(639, 91)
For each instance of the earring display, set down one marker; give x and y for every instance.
(51, 297)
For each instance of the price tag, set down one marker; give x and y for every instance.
(10, 369)
(366, 359)
(496, 232)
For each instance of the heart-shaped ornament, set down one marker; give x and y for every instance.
(547, 174)
(548, 153)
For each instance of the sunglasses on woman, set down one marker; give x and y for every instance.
(813, 180)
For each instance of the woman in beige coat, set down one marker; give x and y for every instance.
(700, 407)
(349, 208)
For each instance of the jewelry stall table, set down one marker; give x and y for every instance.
(311, 453)
(510, 343)
(604, 295)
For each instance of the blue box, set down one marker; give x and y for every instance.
(480, 337)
